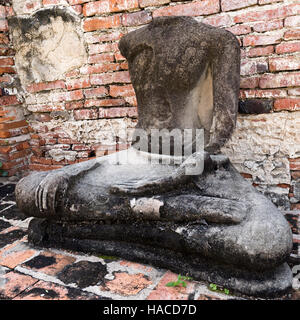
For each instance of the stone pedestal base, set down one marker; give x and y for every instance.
(160, 247)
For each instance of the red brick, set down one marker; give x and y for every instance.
(136, 18)
(162, 292)
(288, 47)
(284, 63)
(268, 25)
(279, 80)
(45, 86)
(4, 38)
(68, 96)
(52, 2)
(294, 92)
(15, 283)
(8, 101)
(107, 78)
(289, 104)
(77, 8)
(262, 40)
(102, 37)
(269, 14)
(152, 3)
(249, 83)
(117, 112)
(97, 7)
(74, 105)
(102, 23)
(74, 2)
(45, 107)
(102, 57)
(249, 67)
(95, 92)
(3, 25)
(7, 70)
(196, 8)
(268, 1)
(218, 21)
(13, 125)
(127, 284)
(104, 103)
(121, 91)
(239, 29)
(292, 34)
(294, 164)
(7, 62)
(101, 68)
(78, 83)
(123, 5)
(229, 5)
(260, 51)
(102, 47)
(293, 21)
(271, 93)
(85, 114)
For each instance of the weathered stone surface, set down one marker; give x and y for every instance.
(193, 84)
(48, 44)
(215, 224)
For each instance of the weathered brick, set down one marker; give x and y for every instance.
(102, 57)
(102, 47)
(152, 3)
(228, 5)
(107, 78)
(117, 112)
(249, 83)
(262, 40)
(269, 93)
(218, 21)
(280, 80)
(68, 96)
(78, 83)
(77, 8)
(85, 114)
(294, 92)
(268, 25)
(293, 21)
(6, 62)
(102, 37)
(74, 105)
(239, 29)
(289, 104)
(250, 67)
(7, 70)
(102, 23)
(107, 6)
(9, 100)
(292, 34)
(45, 86)
(45, 107)
(268, 1)
(197, 8)
(269, 14)
(121, 91)
(104, 103)
(95, 92)
(123, 5)
(101, 68)
(74, 2)
(288, 47)
(284, 63)
(260, 51)
(3, 25)
(136, 18)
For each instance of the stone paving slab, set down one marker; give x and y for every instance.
(33, 273)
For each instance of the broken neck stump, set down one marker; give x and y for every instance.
(212, 225)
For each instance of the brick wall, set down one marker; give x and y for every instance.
(14, 131)
(71, 117)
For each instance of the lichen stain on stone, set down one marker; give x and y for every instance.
(48, 44)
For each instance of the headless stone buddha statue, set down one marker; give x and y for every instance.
(212, 225)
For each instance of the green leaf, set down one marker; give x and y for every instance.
(171, 284)
(226, 291)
